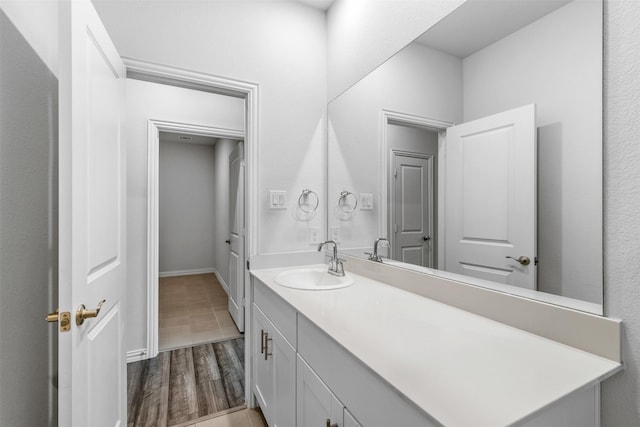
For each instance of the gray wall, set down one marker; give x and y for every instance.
(621, 393)
(186, 207)
(28, 232)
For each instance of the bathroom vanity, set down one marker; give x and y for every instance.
(372, 354)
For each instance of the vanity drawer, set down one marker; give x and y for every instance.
(279, 312)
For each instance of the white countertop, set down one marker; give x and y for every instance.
(460, 368)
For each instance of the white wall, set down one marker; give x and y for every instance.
(364, 34)
(187, 208)
(146, 101)
(621, 393)
(279, 45)
(28, 220)
(555, 63)
(420, 81)
(223, 148)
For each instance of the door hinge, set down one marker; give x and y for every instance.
(395, 173)
(535, 261)
(248, 265)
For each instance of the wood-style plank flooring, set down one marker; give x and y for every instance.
(184, 385)
(192, 310)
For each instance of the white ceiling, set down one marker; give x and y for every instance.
(318, 4)
(479, 23)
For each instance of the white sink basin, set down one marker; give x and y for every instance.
(312, 279)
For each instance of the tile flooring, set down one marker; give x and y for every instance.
(193, 310)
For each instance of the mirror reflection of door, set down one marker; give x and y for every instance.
(413, 194)
(490, 198)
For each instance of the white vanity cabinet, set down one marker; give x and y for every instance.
(337, 356)
(316, 404)
(274, 363)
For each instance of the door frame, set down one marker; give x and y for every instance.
(154, 127)
(388, 117)
(208, 83)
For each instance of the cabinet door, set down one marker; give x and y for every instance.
(263, 388)
(315, 402)
(283, 359)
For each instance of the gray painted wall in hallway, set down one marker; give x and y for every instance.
(28, 232)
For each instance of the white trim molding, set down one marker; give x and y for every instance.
(136, 355)
(224, 284)
(187, 272)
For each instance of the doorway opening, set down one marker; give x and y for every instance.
(413, 159)
(249, 136)
(193, 193)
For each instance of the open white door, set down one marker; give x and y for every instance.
(490, 198)
(92, 225)
(236, 228)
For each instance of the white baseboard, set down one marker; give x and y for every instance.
(222, 282)
(186, 272)
(136, 355)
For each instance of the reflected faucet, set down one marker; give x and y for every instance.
(335, 264)
(374, 256)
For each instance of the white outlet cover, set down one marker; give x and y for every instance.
(314, 235)
(335, 234)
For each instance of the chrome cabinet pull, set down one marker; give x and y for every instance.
(266, 345)
(262, 335)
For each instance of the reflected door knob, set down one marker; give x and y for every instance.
(524, 260)
(426, 238)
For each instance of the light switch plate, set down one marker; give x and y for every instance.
(366, 201)
(277, 199)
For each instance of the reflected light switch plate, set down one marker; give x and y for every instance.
(366, 201)
(277, 199)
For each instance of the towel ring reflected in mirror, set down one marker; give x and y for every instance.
(305, 201)
(347, 202)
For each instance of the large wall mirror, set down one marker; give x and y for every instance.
(476, 152)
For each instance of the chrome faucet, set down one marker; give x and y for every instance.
(374, 256)
(335, 264)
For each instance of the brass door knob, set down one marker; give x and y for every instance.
(82, 313)
(524, 260)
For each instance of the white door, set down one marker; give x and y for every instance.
(490, 198)
(92, 221)
(236, 227)
(412, 209)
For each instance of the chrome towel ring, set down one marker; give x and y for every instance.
(305, 201)
(344, 201)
